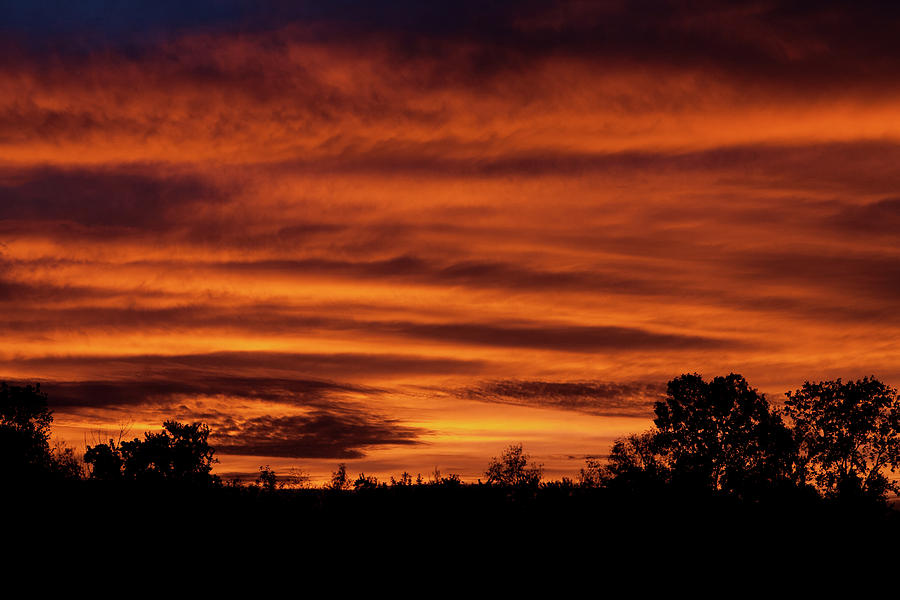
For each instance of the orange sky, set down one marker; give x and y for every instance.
(403, 246)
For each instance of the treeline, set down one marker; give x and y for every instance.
(833, 439)
(829, 441)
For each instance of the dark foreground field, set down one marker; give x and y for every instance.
(429, 542)
(477, 515)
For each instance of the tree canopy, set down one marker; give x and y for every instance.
(847, 435)
(24, 430)
(722, 434)
(25, 451)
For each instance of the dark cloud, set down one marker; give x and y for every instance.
(333, 428)
(794, 45)
(815, 308)
(343, 434)
(222, 233)
(17, 293)
(476, 273)
(102, 198)
(610, 399)
(168, 392)
(853, 276)
(283, 365)
(50, 17)
(775, 45)
(22, 122)
(95, 202)
(283, 321)
(143, 18)
(860, 166)
(23, 299)
(564, 337)
(875, 218)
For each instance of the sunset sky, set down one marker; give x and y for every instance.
(403, 235)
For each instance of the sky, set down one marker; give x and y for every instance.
(404, 235)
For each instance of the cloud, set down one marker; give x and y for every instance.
(334, 434)
(331, 427)
(169, 392)
(788, 163)
(570, 338)
(816, 43)
(527, 77)
(21, 294)
(609, 399)
(474, 273)
(237, 364)
(130, 198)
(284, 321)
(858, 275)
(881, 217)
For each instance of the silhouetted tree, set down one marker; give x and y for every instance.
(848, 435)
(267, 479)
(592, 474)
(25, 450)
(638, 452)
(296, 478)
(719, 435)
(512, 469)
(637, 463)
(66, 463)
(24, 431)
(339, 479)
(105, 461)
(634, 462)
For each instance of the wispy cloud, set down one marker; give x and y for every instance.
(593, 397)
(323, 434)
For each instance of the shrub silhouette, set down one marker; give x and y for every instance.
(634, 464)
(512, 469)
(437, 479)
(365, 482)
(405, 480)
(178, 453)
